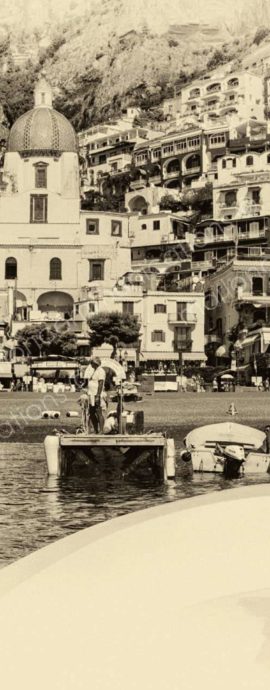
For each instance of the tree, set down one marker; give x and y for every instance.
(218, 58)
(43, 340)
(261, 33)
(200, 200)
(168, 202)
(114, 328)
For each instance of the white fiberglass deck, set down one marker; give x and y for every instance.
(176, 597)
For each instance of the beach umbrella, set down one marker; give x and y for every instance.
(227, 376)
(107, 363)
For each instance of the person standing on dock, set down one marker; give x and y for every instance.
(97, 395)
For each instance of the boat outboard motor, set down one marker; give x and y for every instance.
(185, 464)
(234, 456)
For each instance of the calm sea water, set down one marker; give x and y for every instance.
(36, 510)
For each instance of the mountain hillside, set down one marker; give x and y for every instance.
(102, 55)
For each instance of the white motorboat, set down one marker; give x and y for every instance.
(176, 596)
(228, 448)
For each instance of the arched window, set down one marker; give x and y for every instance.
(193, 161)
(10, 268)
(230, 197)
(249, 160)
(55, 269)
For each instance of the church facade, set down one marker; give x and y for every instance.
(50, 250)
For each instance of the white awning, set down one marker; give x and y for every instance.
(194, 356)
(159, 356)
(266, 337)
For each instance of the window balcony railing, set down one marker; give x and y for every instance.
(182, 318)
(171, 173)
(192, 171)
(216, 88)
(201, 265)
(194, 95)
(254, 209)
(155, 179)
(138, 184)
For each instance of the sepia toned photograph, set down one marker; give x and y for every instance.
(134, 344)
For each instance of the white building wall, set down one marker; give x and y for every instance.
(150, 321)
(62, 188)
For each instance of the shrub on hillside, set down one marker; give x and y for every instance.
(260, 34)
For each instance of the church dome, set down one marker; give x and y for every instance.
(42, 129)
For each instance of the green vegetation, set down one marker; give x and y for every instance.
(197, 200)
(114, 328)
(94, 79)
(41, 341)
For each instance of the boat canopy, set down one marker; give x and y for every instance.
(225, 432)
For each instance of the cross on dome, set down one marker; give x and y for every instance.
(43, 92)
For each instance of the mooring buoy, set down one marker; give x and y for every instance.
(232, 410)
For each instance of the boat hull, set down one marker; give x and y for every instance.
(204, 460)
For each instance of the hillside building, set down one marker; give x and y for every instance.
(106, 150)
(239, 93)
(171, 324)
(238, 296)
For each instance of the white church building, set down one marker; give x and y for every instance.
(49, 249)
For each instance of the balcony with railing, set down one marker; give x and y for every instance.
(138, 184)
(203, 265)
(253, 298)
(194, 94)
(155, 179)
(172, 173)
(251, 234)
(253, 209)
(175, 318)
(212, 88)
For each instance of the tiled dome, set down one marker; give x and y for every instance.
(42, 129)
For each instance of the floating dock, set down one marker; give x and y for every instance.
(122, 453)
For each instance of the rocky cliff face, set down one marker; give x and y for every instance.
(102, 55)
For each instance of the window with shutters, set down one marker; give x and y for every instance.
(128, 308)
(160, 308)
(41, 176)
(38, 208)
(55, 269)
(158, 337)
(96, 269)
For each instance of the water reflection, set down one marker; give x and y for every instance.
(36, 509)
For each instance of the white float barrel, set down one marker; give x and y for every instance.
(170, 459)
(72, 413)
(52, 452)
